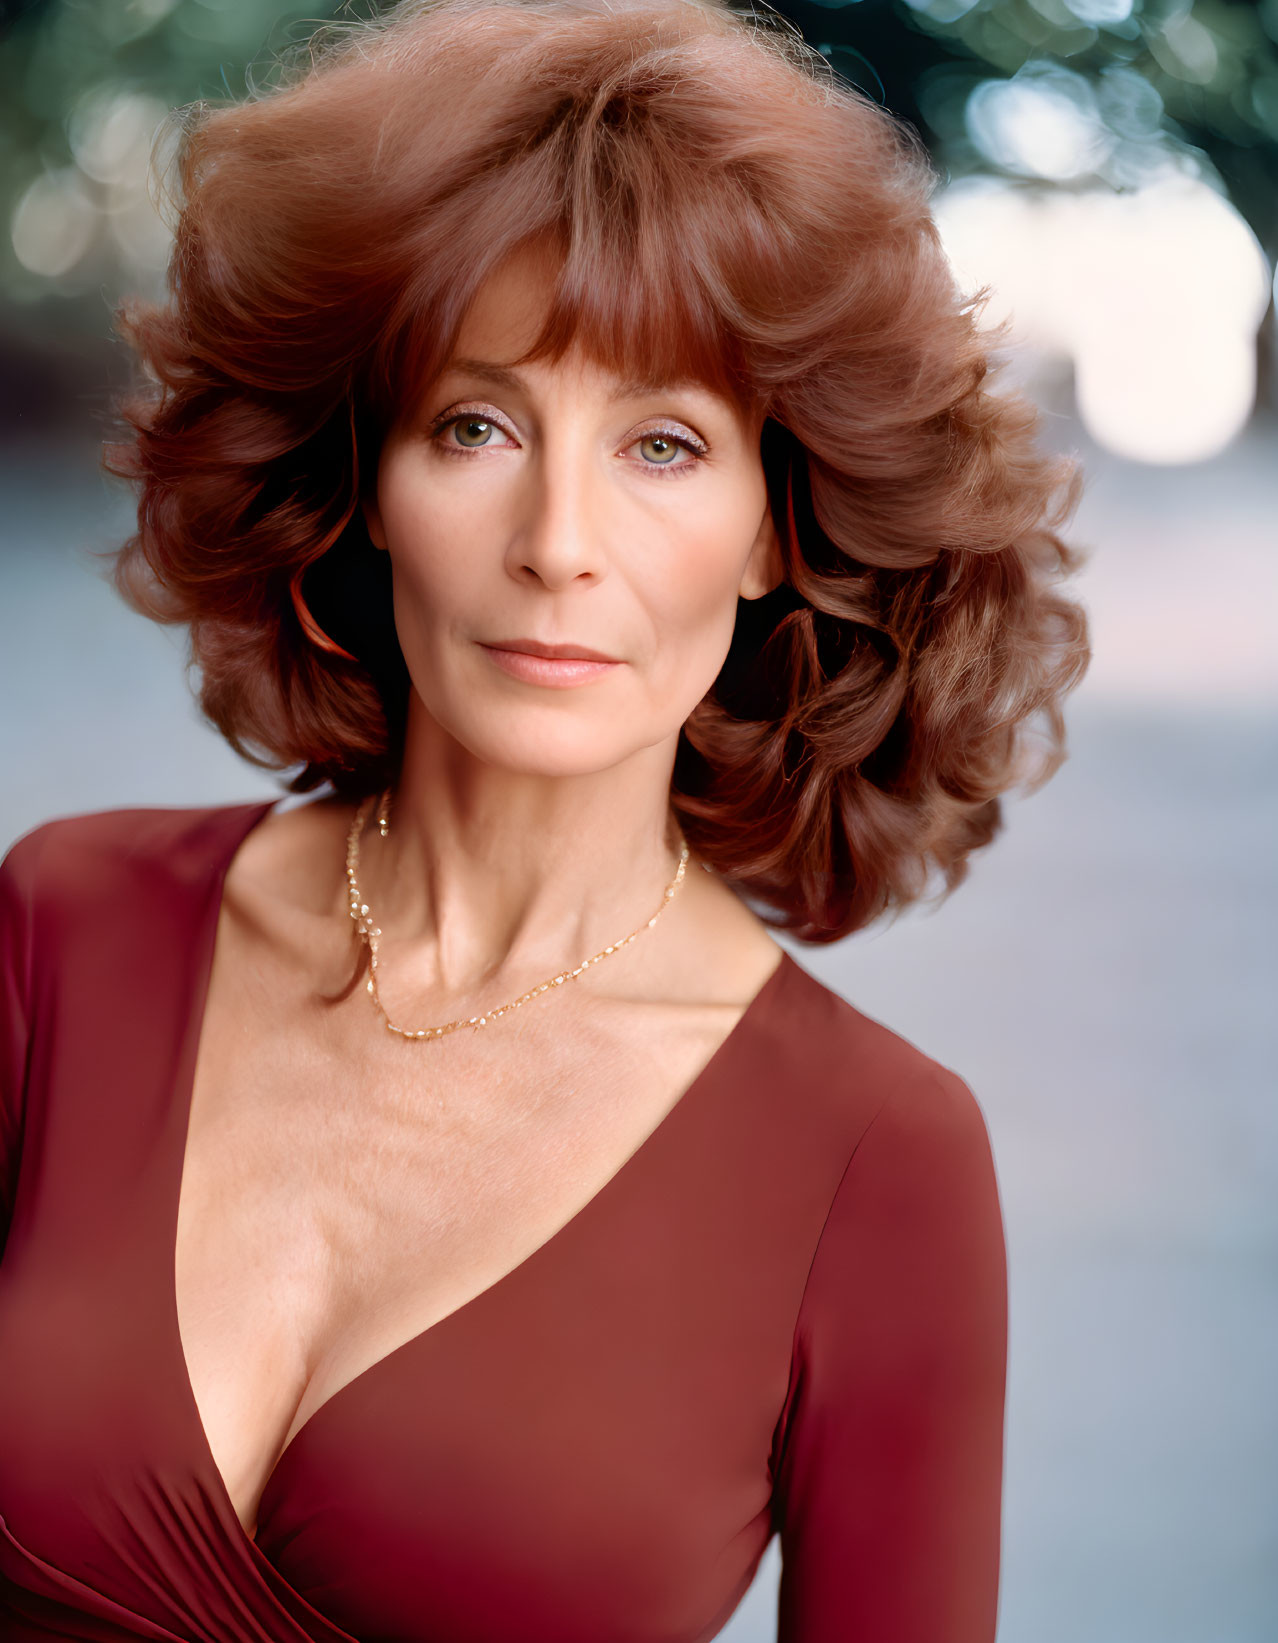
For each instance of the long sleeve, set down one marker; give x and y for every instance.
(15, 926)
(889, 1485)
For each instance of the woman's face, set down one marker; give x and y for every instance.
(567, 549)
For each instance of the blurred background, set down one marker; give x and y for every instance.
(1105, 981)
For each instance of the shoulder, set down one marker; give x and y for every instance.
(846, 1072)
(79, 861)
(914, 1220)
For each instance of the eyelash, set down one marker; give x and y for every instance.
(480, 414)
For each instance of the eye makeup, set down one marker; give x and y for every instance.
(676, 432)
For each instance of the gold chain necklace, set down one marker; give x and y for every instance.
(369, 932)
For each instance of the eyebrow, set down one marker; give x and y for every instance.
(626, 388)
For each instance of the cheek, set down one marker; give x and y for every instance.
(422, 532)
(693, 601)
(707, 556)
(693, 598)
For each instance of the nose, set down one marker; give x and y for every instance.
(560, 538)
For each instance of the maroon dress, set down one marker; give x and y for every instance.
(786, 1313)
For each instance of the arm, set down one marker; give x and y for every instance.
(15, 925)
(889, 1486)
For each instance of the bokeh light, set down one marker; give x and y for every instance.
(1154, 296)
(54, 222)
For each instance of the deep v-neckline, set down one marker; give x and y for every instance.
(197, 1000)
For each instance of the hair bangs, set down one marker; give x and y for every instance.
(643, 250)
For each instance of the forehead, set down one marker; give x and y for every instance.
(522, 319)
(617, 386)
(509, 307)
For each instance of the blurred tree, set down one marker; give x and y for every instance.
(1142, 83)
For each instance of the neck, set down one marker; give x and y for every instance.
(489, 874)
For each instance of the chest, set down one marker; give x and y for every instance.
(341, 1195)
(582, 1448)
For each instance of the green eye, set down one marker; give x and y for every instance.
(665, 448)
(467, 425)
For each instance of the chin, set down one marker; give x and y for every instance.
(559, 744)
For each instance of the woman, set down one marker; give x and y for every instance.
(439, 1209)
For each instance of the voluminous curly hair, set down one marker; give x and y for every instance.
(723, 207)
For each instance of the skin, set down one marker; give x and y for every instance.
(579, 528)
(330, 1165)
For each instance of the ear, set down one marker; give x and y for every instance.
(764, 569)
(373, 520)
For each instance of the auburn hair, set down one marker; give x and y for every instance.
(721, 206)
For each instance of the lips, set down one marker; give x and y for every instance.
(555, 653)
(555, 667)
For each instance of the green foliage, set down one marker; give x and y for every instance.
(1188, 83)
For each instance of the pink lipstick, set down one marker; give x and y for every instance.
(559, 666)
